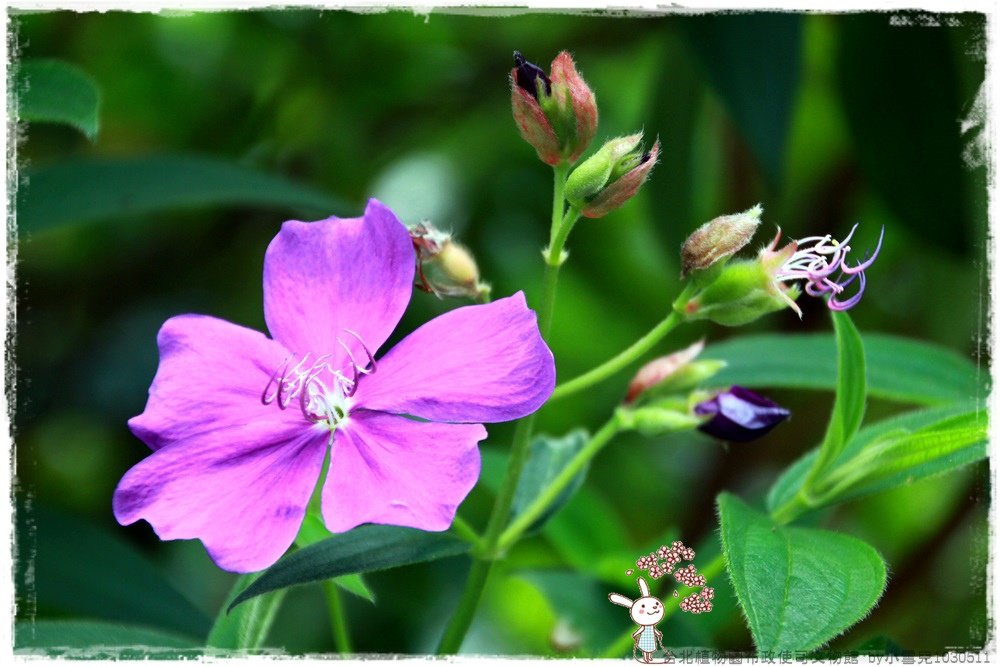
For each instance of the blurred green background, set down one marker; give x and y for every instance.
(216, 127)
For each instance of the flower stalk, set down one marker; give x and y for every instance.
(489, 546)
(549, 495)
(624, 358)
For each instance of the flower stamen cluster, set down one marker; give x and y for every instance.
(816, 258)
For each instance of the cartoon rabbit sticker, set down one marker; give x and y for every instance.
(647, 611)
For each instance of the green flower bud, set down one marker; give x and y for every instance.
(718, 240)
(658, 419)
(740, 293)
(588, 179)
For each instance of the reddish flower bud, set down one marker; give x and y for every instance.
(633, 170)
(556, 114)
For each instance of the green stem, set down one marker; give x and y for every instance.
(624, 643)
(465, 531)
(549, 495)
(620, 361)
(489, 550)
(338, 620)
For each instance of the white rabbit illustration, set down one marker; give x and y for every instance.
(647, 611)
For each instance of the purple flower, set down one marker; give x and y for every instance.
(240, 423)
(740, 415)
(814, 260)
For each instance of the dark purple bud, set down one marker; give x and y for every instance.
(740, 415)
(527, 75)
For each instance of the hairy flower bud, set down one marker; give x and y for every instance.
(675, 372)
(556, 114)
(719, 240)
(740, 415)
(611, 176)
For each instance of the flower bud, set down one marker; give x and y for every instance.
(673, 373)
(556, 114)
(718, 240)
(740, 293)
(740, 415)
(611, 176)
(657, 419)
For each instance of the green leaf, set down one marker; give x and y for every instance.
(363, 549)
(849, 400)
(88, 189)
(893, 452)
(899, 369)
(99, 639)
(547, 456)
(119, 584)
(909, 152)
(753, 62)
(313, 530)
(247, 626)
(54, 91)
(798, 587)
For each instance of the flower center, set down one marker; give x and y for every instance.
(322, 390)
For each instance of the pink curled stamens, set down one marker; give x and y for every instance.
(309, 381)
(816, 258)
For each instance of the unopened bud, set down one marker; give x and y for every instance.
(718, 240)
(657, 419)
(556, 114)
(740, 415)
(610, 177)
(675, 372)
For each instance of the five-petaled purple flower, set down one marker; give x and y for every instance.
(240, 423)
(740, 415)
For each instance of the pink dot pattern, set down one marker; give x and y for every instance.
(663, 561)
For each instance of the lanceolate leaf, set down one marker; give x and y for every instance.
(893, 452)
(100, 639)
(87, 190)
(852, 387)
(899, 369)
(54, 91)
(798, 587)
(364, 549)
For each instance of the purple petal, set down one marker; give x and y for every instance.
(393, 470)
(241, 490)
(474, 364)
(740, 415)
(325, 279)
(211, 375)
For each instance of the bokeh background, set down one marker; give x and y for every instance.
(216, 127)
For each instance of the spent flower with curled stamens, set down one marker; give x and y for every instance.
(815, 259)
(741, 291)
